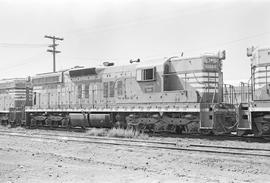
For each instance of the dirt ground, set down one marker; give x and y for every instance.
(35, 160)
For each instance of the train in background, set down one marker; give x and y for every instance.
(254, 107)
(15, 95)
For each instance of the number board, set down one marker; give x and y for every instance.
(211, 64)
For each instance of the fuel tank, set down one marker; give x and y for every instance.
(100, 120)
(78, 119)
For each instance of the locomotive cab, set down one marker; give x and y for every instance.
(202, 77)
(201, 74)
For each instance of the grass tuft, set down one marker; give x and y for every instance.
(8, 127)
(97, 132)
(116, 132)
(126, 133)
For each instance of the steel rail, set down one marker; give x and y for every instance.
(144, 145)
(144, 141)
(102, 138)
(229, 147)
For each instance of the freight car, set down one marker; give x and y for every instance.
(254, 112)
(172, 94)
(15, 94)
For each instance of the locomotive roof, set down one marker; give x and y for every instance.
(263, 49)
(161, 61)
(60, 71)
(256, 50)
(151, 63)
(47, 74)
(144, 63)
(176, 58)
(132, 66)
(12, 80)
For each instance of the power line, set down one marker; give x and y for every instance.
(155, 56)
(22, 45)
(25, 62)
(145, 20)
(105, 28)
(231, 41)
(245, 38)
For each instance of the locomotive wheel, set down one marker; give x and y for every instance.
(131, 127)
(48, 122)
(39, 123)
(206, 132)
(256, 129)
(159, 126)
(117, 124)
(120, 124)
(241, 133)
(141, 127)
(266, 127)
(83, 128)
(55, 124)
(4, 122)
(150, 128)
(216, 132)
(33, 123)
(171, 128)
(68, 127)
(64, 122)
(12, 124)
(179, 129)
(192, 127)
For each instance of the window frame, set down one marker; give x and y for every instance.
(141, 74)
(119, 88)
(111, 89)
(105, 89)
(79, 91)
(86, 90)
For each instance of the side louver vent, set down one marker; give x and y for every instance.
(82, 72)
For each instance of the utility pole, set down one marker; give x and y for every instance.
(53, 50)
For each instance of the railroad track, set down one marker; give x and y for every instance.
(174, 146)
(246, 138)
(216, 137)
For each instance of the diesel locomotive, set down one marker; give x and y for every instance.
(177, 94)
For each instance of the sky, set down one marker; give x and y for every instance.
(96, 31)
